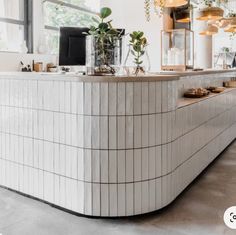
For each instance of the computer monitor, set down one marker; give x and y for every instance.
(73, 46)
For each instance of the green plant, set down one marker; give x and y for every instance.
(105, 36)
(138, 45)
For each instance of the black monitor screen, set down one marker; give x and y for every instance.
(72, 46)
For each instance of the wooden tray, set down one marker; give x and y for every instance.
(192, 95)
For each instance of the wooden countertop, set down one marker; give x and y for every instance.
(159, 76)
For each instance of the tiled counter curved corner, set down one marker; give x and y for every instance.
(110, 148)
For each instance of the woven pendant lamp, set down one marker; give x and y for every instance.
(211, 13)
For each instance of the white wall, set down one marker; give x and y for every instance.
(129, 14)
(203, 55)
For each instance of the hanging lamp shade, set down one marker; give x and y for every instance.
(183, 16)
(171, 3)
(211, 13)
(222, 23)
(210, 30)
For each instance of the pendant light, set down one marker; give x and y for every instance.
(211, 13)
(210, 30)
(171, 3)
(224, 22)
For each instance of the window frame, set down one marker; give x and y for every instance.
(27, 23)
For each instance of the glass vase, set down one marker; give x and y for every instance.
(103, 55)
(136, 64)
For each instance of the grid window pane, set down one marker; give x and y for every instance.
(11, 36)
(59, 16)
(87, 4)
(12, 9)
(52, 41)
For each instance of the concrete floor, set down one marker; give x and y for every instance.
(198, 211)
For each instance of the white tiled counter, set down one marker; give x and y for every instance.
(110, 146)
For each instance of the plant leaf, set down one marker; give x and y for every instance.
(105, 12)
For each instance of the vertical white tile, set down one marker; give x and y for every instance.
(104, 98)
(95, 131)
(48, 157)
(113, 168)
(137, 198)
(129, 138)
(62, 191)
(145, 101)
(48, 187)
(158, 161)
(121, 166)
(80, 97)
(56, 189)
(96, 166)
(80, 131)
(104, 199)
(104, 166)
(95, 98)
(63, 160)
(74, 97)
(112, 133)
(164, 98)
(137, 131)
(74, 158)
(152, 195)
(158, 194)
(137, 98)
(80, 166)
(113, 199)
(56, 153)
(145, 164)
(121, 98)
(145, 197)
(62, 128)
(87, 165)
(129, 166)
(96, 199)
(74, 130)
(103, 137)
(48, 125)
(151, 130)
(68, 127)
(152, 163)
(112, 98)
(152, 97)
(121, 200)
(67, 97)
(129, 199)
(80, 198)
(121, 132)
(87, 132)
(88, 199)
(87, 98)
(129, 98)
(137, 165)
(145, 130)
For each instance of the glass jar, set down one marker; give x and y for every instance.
(136, 64)
(103, 56)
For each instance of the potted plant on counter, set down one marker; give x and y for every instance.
(103, 46)
(137, 55)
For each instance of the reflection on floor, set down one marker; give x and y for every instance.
(198, 211)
